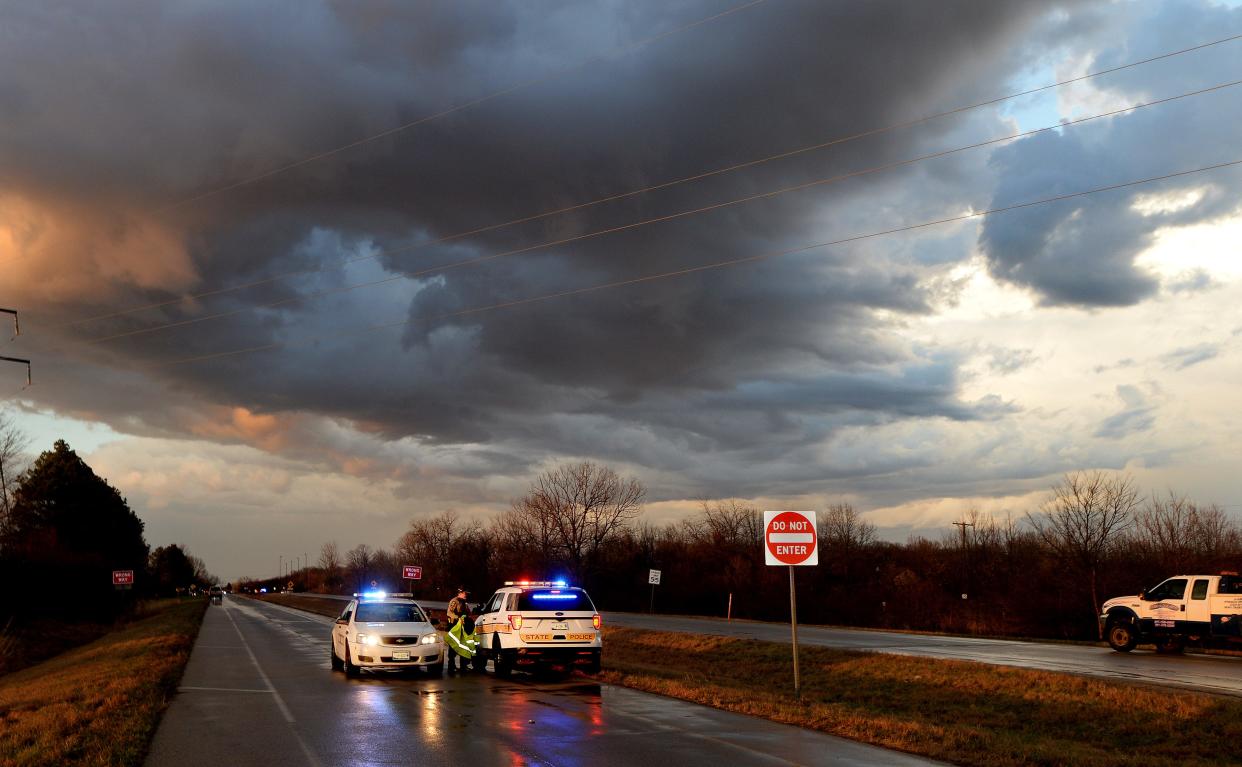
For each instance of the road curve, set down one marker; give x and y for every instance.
(258, 691)
(1203, 673)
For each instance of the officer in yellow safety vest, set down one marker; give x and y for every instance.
(462, 643)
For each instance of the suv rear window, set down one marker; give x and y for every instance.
(554, 600)
(389, 613)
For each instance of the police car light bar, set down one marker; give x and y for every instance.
(561, 584)
(370, 595)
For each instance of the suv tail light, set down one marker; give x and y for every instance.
(516, 622)
(597, 621)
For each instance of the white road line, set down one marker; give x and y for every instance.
(284, 709)
(183, 688)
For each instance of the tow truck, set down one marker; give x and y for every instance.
(1204, 609)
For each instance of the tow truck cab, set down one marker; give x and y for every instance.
(1204, 609)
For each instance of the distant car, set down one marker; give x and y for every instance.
(388, 632)
(539, 625)
(217, 594)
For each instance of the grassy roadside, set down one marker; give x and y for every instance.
(967, 713)
(98, 704)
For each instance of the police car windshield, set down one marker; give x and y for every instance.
(556, 600)
(389, 613)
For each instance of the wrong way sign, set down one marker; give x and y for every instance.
(789, 538)
(412, 572)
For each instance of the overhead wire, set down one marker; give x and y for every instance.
(547, 77)
(694, 269)
(655, 220)
(631, 193)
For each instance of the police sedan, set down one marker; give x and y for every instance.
(389, 632)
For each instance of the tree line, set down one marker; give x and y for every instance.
(64, 530)
(1041, 573)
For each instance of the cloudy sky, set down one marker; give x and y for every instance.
(294, 271)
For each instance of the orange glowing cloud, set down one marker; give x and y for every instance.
(271, 433)
(66, 251)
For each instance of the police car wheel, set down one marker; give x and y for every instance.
(350, 669)
(337, 665)
(500, 662)
(436, 669)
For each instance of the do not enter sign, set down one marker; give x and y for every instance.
(789, 538)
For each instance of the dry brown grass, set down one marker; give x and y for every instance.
(968, 713)
(98, 704)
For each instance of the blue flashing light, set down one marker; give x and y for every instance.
(553, 596)
(374, 595)
(562, 584)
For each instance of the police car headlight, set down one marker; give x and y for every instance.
(368, 639)
(430, 639)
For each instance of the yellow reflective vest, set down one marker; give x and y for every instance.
(463, 643)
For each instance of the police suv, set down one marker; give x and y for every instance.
(539, 625)
(385, 632)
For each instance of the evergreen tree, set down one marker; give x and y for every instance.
(68, 529)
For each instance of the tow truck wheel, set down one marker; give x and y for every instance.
(1170, 645)
(1121, 636)
(336, 662)
(350, 669)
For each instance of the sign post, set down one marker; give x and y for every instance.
(412, 573)
(653, 577)
(790, 539)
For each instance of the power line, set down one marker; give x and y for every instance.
(646, 222)
(695, 269)
(622, 195)
(554, 74)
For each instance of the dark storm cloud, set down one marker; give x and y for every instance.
(1082, 251)
(181, 99)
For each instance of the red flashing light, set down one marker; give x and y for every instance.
(516, 622)
(597, 621)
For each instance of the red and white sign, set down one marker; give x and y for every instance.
(122, 577)
(789, 538)
(412, 572)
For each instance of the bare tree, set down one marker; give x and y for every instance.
(1181, 536)
(12, 462)
(330, 563)
(841, 526)
(358, 560)
(729, 523)
(573, 510)
(1083, 520)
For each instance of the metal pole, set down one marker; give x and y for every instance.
(729, 614)
(651, 609)
(793, 622)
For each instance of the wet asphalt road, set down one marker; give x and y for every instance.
(258, 690)
(1205, 673)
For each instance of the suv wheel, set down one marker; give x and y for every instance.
(500, 660)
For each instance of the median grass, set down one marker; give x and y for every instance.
(98, 704)
(956, 711)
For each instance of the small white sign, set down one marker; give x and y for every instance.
(654, 578)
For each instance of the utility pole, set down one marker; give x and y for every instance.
(965, 559)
